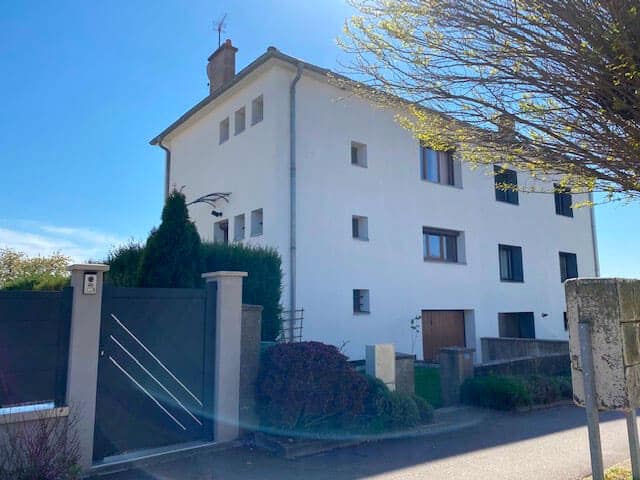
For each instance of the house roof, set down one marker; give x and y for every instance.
(271, 53)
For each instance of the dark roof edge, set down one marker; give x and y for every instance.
(270, 53)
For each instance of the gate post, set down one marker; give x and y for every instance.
(84, 339)
(226, 391)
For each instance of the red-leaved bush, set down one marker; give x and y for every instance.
(308, 386)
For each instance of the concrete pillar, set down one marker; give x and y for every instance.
(380, 362)
(456, 365)
(227, 353)
(84, 340)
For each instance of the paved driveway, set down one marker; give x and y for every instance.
(543, 445)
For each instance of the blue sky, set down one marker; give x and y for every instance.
(86, 85)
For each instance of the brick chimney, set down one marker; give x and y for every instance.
(222, 66)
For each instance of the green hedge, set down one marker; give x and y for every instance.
(263, 286)
(502, 392)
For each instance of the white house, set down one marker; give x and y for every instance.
(373, 229)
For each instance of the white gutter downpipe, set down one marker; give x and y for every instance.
(292, 198)
(594, 236)
(167, 167)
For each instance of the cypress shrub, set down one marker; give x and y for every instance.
(263, 286)
(171, 257)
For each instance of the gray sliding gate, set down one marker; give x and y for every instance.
(155, 370)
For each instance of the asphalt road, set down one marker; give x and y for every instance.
(547, 444)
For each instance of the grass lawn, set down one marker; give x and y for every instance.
(428, 385)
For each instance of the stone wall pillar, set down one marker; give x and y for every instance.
(227, 353)
(84, 341)
(380, 362)
(249, 365)
(456, 365)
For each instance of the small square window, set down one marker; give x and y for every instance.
(238, 228)
(506, 185)
(566, 321)
(510, 259)
(224, 130)
(568, 266)
(221, 231)
(360, 227)
(256, 223)
(563, 201)
(240, 121)
(257, 110)
(359, 154)
(516, 325)
(361, 301)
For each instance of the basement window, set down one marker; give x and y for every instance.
(516, 325)
(224, 130)
(361, 301)
(257, 110)
(240, 120)
(359, 154)
(256, 223)
(238, 228)
(221, 231)
(360, 227)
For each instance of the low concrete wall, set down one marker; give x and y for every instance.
(557, 364)
(512, 348)
(249, 365)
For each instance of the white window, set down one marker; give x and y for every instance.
(240, 121)
(361, 301)
(224, 130)
(359, 154)
(238, 228)
(257, 110)
(256, 223)
(221, 231)
(360, 227)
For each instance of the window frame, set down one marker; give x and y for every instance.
(443, 246)
(563, 200)
(568, 260)
(239, 218)
(225, 127)
(257, 232)
(361, 301)
(504, 175)
(241, 113)
(449, 161)
(515, 265)
(259, 100)
(360, 154)
(357, 230)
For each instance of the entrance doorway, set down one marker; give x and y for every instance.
(440, 329)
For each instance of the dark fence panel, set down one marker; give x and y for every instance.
(509, 348)
(34, 346)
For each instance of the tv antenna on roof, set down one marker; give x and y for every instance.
(220, 26)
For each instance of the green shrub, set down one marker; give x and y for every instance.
(404, 411)
(263, 286)
(171, 257)
(124, 265)
(38, 282)
(425, 409)
(498, 392)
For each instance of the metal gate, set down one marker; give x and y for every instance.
(155, 370)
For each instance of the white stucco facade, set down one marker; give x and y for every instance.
(398, 203)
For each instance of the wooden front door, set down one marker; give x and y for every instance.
(440, 329)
